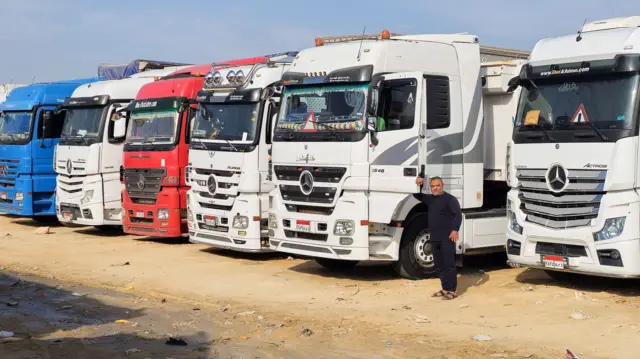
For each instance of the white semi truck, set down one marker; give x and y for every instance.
(88, 156)
(229, 155)
(573, 165)
(361, 118)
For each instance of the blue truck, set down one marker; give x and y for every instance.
(30, 128)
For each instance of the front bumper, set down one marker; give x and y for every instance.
(141, 219)
(38, 196)
(215, 227)
(314, 236)
(76, 209)
(576, 247)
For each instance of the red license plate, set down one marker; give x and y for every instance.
(303, 226)
(210, 220)
(554, 262)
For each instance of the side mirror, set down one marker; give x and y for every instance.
(57, 110)
(119, 125)
(513, 84)
(371, 123)
(372, 109)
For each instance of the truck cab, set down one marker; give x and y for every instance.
(6, 89)
(156, 153)
(360, 118)
(89, 154)
(574, 204)
(29, 131)
(229, 155)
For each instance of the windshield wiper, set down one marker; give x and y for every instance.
(546, 133)
(232, 146)
(204, 147)
(597, 131)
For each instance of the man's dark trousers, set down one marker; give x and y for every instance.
(444, 258)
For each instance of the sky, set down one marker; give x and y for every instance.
(46, 40)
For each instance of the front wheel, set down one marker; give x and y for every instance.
(416, 252)
(336, 265)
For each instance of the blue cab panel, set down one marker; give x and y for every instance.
(29, 132)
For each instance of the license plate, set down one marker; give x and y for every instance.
(67, 216)
(555, 262)
(303, 226)
(210, 220)
(140, 214)
(3, 195)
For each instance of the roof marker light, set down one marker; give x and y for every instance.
(231, 77)
(240, 76)
(385, 35)
(319, 41)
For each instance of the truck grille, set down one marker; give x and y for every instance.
(223, 183)
(144, 184)
(70, 184)
(325, 184)
(575, 206)
(8, 173)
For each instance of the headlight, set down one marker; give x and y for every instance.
(163, 214)
(343, 227)
(240, 222)
(19, 196)
(513, 222)
(612, 228)
(88, 196)
(273, 221)
(239, 76)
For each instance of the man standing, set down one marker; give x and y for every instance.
(445, 218)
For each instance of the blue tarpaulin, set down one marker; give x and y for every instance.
(116, 72)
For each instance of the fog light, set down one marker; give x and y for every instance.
(163, 214)
(240, 222)
(346, 241)
(19, 196)
(615, 254)
(242, 233)
(343, 227)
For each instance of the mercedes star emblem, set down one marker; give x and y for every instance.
(69, 166)
(557, 178)
(212, 185)
(306, 183)
(141, 184)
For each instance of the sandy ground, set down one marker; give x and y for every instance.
(257, 306)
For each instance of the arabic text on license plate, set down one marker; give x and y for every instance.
(554, 262)
(3, 195)
(210, 220)
(303, 226)
(140, 214)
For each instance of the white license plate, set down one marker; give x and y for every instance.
(210, 221)
(303, 226)
(67, 216)
(554, 262)
(140, 214)
(3, 195)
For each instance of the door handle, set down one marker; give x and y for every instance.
(410, 172)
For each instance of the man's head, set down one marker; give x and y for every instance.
(436, 186)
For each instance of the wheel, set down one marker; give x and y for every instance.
(45, 219)
(109, 229)
(416, 254)
(336, 265)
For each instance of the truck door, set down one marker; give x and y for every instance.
(395, 160)
(268, 121)
(111, 159)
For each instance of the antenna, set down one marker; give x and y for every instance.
(361, 40)
(579, 37)
(33, 79)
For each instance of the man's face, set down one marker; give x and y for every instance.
(436, 187)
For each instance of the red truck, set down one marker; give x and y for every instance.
(156, 152)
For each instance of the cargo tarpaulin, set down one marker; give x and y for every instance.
(115, 72)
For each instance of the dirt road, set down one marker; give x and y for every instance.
(258, 306)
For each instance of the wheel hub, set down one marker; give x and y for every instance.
(424, 250)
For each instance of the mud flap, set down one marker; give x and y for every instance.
(459, 258)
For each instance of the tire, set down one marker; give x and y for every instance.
(411, 264)
(45, 219)
(336, 265)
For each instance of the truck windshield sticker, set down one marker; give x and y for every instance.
(580, 116)
(323, 108)
(532, 118)
(568, 86)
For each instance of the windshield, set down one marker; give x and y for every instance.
(158, 126)
(234, 122)
(15, 126)
(325, 108)
(604, 102)
(82, 122)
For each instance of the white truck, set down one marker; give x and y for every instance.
(229, 155)
(574, 205)
(88, 156)
(361, 118)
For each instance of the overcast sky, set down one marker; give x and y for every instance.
(62, 39)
